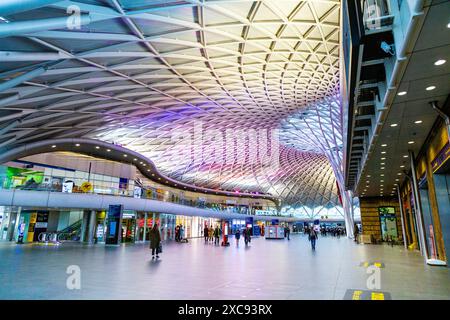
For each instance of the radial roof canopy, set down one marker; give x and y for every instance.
(137, 72)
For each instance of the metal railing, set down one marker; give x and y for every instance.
(102, 187)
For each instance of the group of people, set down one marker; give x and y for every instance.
(179, 233)
(247, 236)
(334, 231)
(212, 234)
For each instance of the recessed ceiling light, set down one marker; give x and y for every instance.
(382, 168)
(401, 93)
(448, 25)
(399, 174)
(125, 155)
(97, 147)
(383, 163)
(108, 150)
(440, 62)
(384, 145)
(381, 180)
(405, 156)
(53, 146)
(402, 166)
(77, 145)
(148, 169)
(394, 124)
(383, 152)
(383, 158)
(134, 159)
(397, 179)
(382, 175)
(430, 88)
(410, 142)
(418, 121)
(368, 176)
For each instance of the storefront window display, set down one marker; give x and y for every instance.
(194, 226)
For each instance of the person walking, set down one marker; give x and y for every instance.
(211, 233)
(216, 235)
(247, 237)
(237, 236)
(181, 232)
(205, 233)
(288, 232)
(155, 241)
(312, 238)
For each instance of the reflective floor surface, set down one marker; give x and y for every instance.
(267, 269)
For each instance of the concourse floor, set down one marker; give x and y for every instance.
(267, 269)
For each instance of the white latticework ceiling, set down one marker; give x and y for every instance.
(139, 72)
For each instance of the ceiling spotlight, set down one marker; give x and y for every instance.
(394, 124)
(382, 175)
(134, 159)
(382, 168)
(108, 150)
(397, 179)
(77, 144)
(405, 156)
(448, 25)
(418, 121)
(148, 169)
(97, 147)
(430, 88)
(383, 158)
(53, 146)
(384, 145)
(410, 142)
(401, 93)
(402, 166)
(440, 62)
(383, 163)
(368, 176)
(125, 155)
(383, 152)
(399, 174)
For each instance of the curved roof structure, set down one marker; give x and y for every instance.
(147, 74)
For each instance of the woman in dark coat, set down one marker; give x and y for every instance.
(155, 240)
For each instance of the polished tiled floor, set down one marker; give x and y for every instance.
(267, 269)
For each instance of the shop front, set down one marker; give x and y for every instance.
(128, 226)
(194, 226)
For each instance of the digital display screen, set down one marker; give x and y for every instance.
(112, 228)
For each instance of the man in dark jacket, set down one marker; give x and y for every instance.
(155, 241)
(216, 235)
(312, 238)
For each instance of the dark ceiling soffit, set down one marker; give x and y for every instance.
(356, 29)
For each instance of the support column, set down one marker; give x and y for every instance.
(420, 230)
(347, 206)
(88, 226)
(91, 228)
(145, 227)
(402, 218)
(84, 225)
(437, 227)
